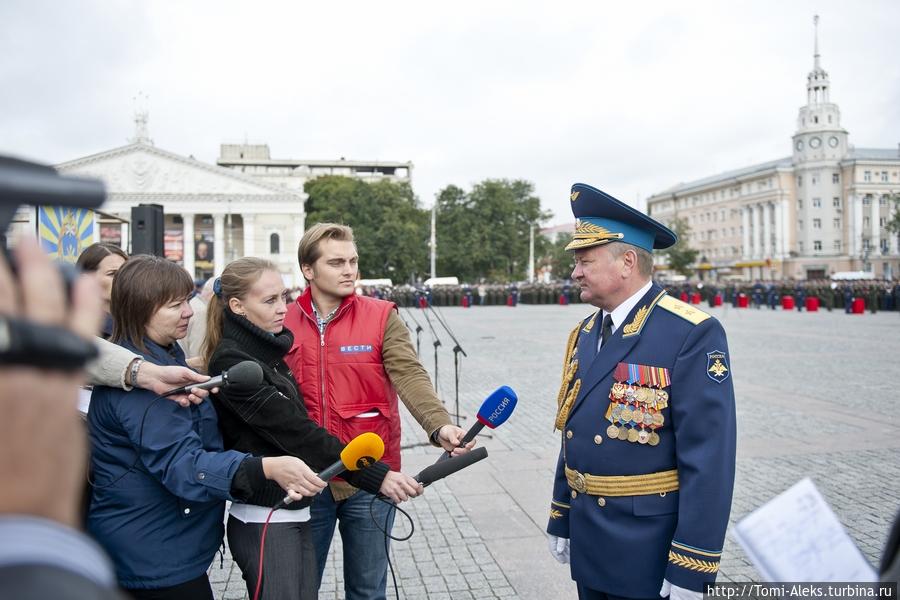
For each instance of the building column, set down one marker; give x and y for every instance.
(745, 223)
(856, 231)
(875, 242)
(218, 244)
(299, 226)
(893, 243)
(249, 234)
(754, 235)
(767, 230)
(126, 238)
(779, 230)
(187, 238)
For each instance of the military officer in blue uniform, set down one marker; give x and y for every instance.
(647, 415)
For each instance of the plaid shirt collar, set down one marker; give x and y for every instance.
(323, 321)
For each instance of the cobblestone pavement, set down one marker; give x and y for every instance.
(816, 397)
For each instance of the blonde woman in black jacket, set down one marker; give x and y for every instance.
(245, 322)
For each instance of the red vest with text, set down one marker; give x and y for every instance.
(341, 375)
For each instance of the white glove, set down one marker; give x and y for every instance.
(678, 593)
(559, 548)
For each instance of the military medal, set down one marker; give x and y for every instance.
(638, 415)
(658, 419)
(648, 418)
(632, 435)
(616, 413)
(643, 436)
(654, 439)
(618, 391)
(623, 434)
(612, 432)
(627, 413)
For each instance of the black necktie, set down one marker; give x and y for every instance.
(606, 330)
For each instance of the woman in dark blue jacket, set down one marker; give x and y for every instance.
(160, 474)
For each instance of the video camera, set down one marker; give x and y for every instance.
(24, 342)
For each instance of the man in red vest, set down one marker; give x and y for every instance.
(351, 357)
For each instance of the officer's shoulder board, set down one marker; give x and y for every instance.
(682, 309)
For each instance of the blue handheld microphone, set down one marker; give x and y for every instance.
(494, 411)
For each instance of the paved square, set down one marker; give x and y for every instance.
(816, 396)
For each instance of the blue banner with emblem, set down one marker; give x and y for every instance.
(65, 231)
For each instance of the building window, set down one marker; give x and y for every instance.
(884, 200)
(866, 221)
(884, 176)
(865, 243)
(274, 244)
(800, 224)
(817, 244)
(817, 203)
(837, 245)
(836, 222)
(815, 180)
(800, 203)
(800, 246)
(867, 200)
(884, 246)
(799, 180)
(817, 223)
(835, 178)
(867, 176)
(836, 202)
(882, 221)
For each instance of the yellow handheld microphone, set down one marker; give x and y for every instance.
(362, 451)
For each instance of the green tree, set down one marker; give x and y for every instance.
(681, 256)
(560, 260)
(390, 228)
(485, 232)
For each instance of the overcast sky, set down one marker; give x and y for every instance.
(632, 99)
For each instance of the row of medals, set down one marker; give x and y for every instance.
(634, 406)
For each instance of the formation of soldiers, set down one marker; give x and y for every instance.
(876, 295)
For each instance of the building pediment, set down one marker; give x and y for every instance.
(141, 169)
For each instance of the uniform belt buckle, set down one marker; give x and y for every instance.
(579, 484)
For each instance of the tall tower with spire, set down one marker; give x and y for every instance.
(819, 145)
(819, 133)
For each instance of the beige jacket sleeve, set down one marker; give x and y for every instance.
(410, 378)
(111, 367)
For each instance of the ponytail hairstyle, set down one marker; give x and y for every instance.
(234, 282)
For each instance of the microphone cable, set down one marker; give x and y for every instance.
(387, 535)
(262, 549)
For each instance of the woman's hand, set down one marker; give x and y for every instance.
(399, 487)
(293, 475)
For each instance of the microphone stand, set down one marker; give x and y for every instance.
(419, 331)
(437, 342)
(457, 350)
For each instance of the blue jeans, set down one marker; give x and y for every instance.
(365, 559)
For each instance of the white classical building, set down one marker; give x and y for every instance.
(819, 211)
(247, 205)
(212, 215)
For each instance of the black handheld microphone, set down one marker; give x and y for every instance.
(441, 469)
(247, 374)
(494, 411)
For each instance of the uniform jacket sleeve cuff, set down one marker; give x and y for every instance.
(692, 568)
(558, 523)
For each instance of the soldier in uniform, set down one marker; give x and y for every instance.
(646, 411)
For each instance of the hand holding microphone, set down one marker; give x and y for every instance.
(494, 411)
(362, 451)
(246, 374)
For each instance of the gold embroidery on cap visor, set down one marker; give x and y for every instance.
(587, 235)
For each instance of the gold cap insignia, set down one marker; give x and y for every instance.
(574, 196)
(587, 234)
